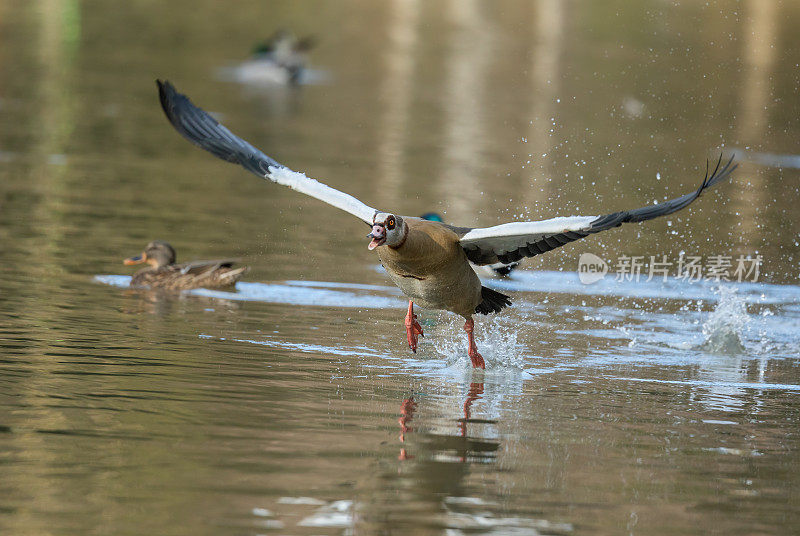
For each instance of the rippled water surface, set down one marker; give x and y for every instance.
(291, 404)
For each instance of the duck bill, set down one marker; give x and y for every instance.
(138, 259)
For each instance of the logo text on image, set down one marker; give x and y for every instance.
(591, 268)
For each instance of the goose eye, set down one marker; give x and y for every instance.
(390, 223)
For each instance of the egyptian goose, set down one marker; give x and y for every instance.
(429, 261)
(162, 272)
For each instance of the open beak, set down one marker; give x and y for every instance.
(378, 236)
(138, 259)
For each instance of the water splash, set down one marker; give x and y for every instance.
(724, 329)
(496, 337)
(628, 333)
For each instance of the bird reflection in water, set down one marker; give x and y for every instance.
(163, 303)
(448, 448)
(475, 392)
(406, 416)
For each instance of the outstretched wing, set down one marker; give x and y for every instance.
(510, 242)
(204, 131)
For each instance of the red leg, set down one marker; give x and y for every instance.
(413, 329)
(477, 360)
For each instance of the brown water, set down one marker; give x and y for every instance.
(293, 405)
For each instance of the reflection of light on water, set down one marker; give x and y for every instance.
(722, 376)
(302, 295)
(553, 282)
(488, 523)
(307, 348)
(750, 322)
(734, 452)
(336, 514)
(301, 500)
(114, 280)
(266, 74)
(323, 294)
(701, 383)
(458, 514)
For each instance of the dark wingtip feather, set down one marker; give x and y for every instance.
(673, 205)
(197, 126)
(166, 91)
(718, 174)
(724, 173)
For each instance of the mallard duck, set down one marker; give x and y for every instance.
(280, 60)
(429, 261)
(162, 271)
(498, 269)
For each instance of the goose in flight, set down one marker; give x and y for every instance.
(429, 261)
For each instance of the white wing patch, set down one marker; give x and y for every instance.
(511, 236)
(311, 187)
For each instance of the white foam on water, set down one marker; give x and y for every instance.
(309, 501)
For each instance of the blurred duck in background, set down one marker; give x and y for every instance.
(280, 60)
(497, 269)
(163, 272)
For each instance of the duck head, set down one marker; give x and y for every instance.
(157, 254)
(387, 229)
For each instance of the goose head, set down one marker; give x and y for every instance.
(387, 229)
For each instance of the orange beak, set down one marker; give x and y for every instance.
(139, 259)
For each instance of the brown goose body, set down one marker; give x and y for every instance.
(432, 269)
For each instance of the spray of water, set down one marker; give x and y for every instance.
(495, 335)
(724, 329)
